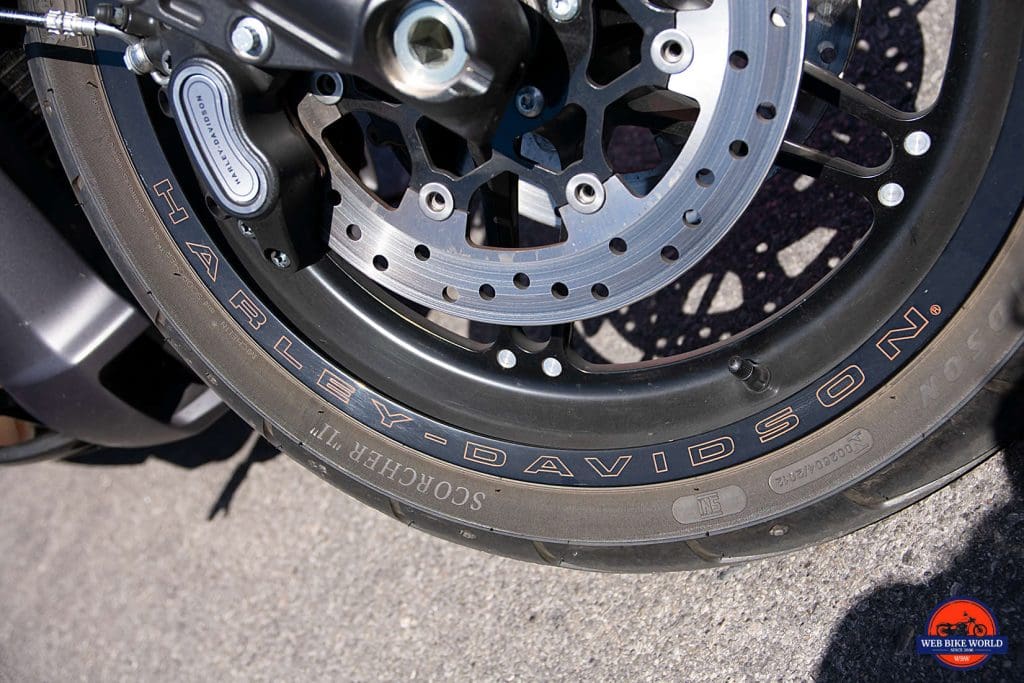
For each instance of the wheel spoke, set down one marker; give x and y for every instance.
(840, 172)
(847, 97)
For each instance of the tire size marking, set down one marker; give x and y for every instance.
(824, 462)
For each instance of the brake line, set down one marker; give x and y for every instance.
(60, 23)
(72, 24)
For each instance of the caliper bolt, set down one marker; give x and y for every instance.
(563, 10)
(251, 40)
(530, 101)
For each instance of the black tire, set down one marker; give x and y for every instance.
(918, 441)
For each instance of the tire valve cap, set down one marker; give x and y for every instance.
(757, 377)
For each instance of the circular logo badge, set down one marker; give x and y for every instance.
(962, 619)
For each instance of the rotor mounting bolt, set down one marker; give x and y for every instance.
(672, 51)
(246, 229)
(250, 39)
(778, 530)
(530, 101)
(280, 259)
(563, 10)
(585, 193)
(918, 143)
(507, 359)
(891, 195)
(436, 202)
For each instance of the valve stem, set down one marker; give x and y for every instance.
(757, 377)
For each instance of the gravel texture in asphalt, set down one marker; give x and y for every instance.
(155, 571)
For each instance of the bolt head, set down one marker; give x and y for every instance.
(552, 367)
(563, 10)
(530, 101)
(507, 359)
(280, 259)
(918, 143)
(250, 39)
(585, 193)
(891, 195)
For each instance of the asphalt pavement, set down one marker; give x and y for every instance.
(251, 568)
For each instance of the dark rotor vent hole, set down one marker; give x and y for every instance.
(618, 246)
(670, 254)
(599, 291)
(380, 263)
(705, 177)
(521, 281)
(739, 149)
(559, 290)
(487, 292)
(354, 233)
(422, 252)
(766, 111)
(739, 60)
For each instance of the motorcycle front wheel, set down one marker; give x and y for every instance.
(567, 392)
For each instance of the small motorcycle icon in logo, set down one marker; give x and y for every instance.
(962, 634)
(968, 627)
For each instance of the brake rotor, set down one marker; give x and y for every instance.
(740, 65)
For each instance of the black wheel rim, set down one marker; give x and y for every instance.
(690, 398)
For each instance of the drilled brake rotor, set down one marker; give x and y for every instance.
(739, 61)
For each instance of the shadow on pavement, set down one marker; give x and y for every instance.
(229, 438)
(876, 639)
